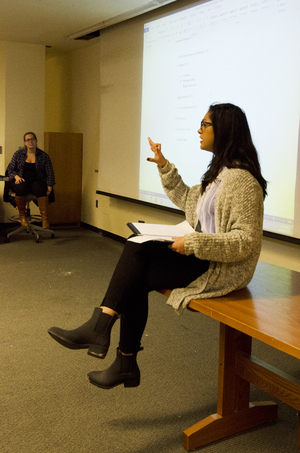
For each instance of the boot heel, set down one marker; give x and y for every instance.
(124, 370)
(97, 351)
(132, 383)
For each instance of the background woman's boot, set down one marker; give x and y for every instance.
(21, 204)
(124, 370)
(43, 206)
(94, 334)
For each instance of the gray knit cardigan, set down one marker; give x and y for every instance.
(233, 250)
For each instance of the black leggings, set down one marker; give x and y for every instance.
(38, 188)
(143, 268)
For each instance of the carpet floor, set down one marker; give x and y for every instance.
(47, 402)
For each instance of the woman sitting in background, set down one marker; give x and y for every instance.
(32, 172)
(220, 256)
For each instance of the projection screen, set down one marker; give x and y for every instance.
(159, 74)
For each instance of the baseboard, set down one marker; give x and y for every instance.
(60, 226)
(104, 233)
(115, 237)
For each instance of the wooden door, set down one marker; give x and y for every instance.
(65, 151)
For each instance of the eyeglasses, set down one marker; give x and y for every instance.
(204, 124)
(30, 139)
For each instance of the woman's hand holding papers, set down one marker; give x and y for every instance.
(178, 245)
(158, 158)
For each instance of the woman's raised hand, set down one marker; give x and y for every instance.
(158, 156)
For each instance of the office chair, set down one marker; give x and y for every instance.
(31, 227)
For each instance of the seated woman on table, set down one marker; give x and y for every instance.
(32, 172)
(226, 211)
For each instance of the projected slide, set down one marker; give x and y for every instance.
(239, 51)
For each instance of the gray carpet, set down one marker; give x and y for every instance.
(47, 403)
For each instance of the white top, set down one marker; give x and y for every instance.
(206, 205)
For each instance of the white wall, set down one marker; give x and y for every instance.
(2, 104)
(22, 86)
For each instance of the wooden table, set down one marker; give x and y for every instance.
(268, 310)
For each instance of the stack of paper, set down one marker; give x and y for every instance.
(156, 232)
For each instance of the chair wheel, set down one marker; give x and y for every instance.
(37, 240)
(6, 240)
(52, 235)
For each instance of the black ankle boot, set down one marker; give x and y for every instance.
(94, 334)
(124, 370)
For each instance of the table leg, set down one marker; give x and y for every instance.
(298, 439)
(234, 412)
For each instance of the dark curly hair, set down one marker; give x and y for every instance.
(233, 145)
